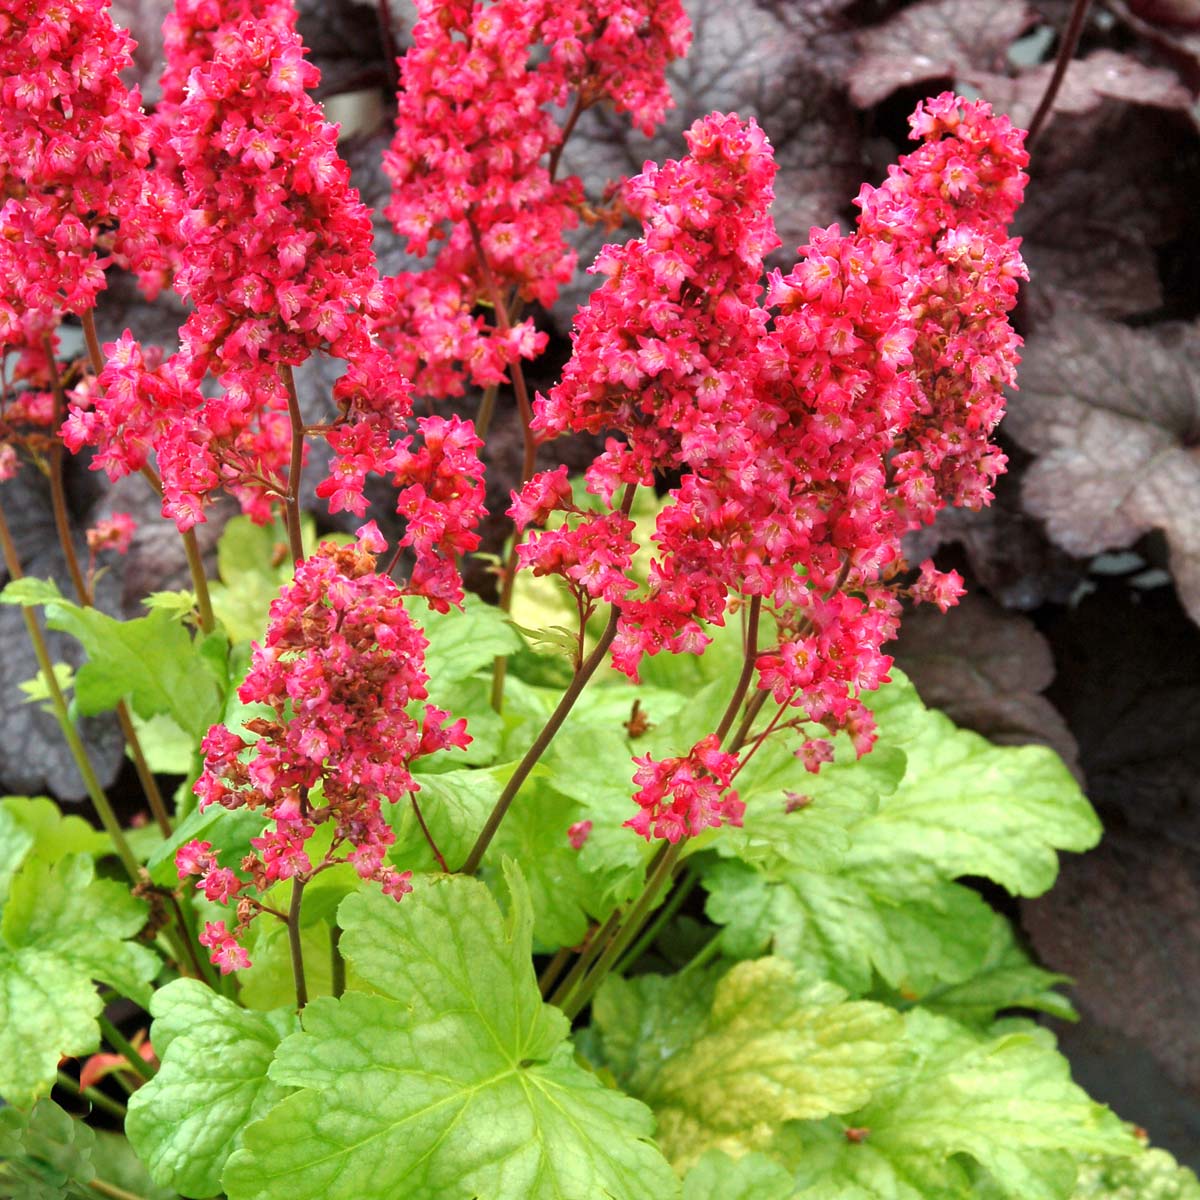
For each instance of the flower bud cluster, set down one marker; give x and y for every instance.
(470, 167)
(342, 671)
(812, 431)
(73, 145)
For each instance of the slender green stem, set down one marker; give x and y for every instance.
(705, 954)
(682, 891)
(293, 928)
(93, 1095)
(552, 726)
(112, 1191)
(487, 406)
(552, 970)
(145, 776)
(117, 1040)
(59, 703)
(591, 951)
(62, 524)
(58, 493)
(295, 467)
(630, 927)
(195, 561)
(337, 964)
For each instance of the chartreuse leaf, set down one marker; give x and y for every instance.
(1151, 1175)
(716, 1176)
(1006, 978)
(186, 1121)
(461, 643)
(454, 805)
(843, 927)
(453, 1082)
(54, 836)
(61, 929)
(29, 592)
(876, 896)
(151, 661)
(44, 1154)
(1005, 1101)
(966, 807)
(771, 1048)
(15, 843)
(253, 563)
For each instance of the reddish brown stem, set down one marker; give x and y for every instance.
(1066, 51)
(295, 468)
(428, 836)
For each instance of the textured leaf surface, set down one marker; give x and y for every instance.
(1113, 414)
(966, 807)
(770, 1049)
(935, 39)
(716, 1176)
(1152, 1175)
(885, 901)
(151, 660)
(1008, 1102)
(455, 1081)
(61, 929)
(188, 1120)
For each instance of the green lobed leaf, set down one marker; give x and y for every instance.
(253, 564)
(1005, 1101)
(61, 929)
(151, 661)
(463, 642)
(15, 843)
(54, 835)
(772, 1048)
(186, 1121)
(876, 895)
(45, 1154)
(966, 807)
(716, 1176)
(29, 592)
(454, 1082)
(1005, 979)
(846, 927)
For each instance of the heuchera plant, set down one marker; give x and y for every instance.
(424, 919)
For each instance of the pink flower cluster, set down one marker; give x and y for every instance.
(342, 667)
(277, 261)
(813, 431)
(73, 145)
(470, 171)
(193, 34)
(680, 797)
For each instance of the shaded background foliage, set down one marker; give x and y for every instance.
(1081, 629)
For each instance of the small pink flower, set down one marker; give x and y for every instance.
(115, 533)
(578, 833)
